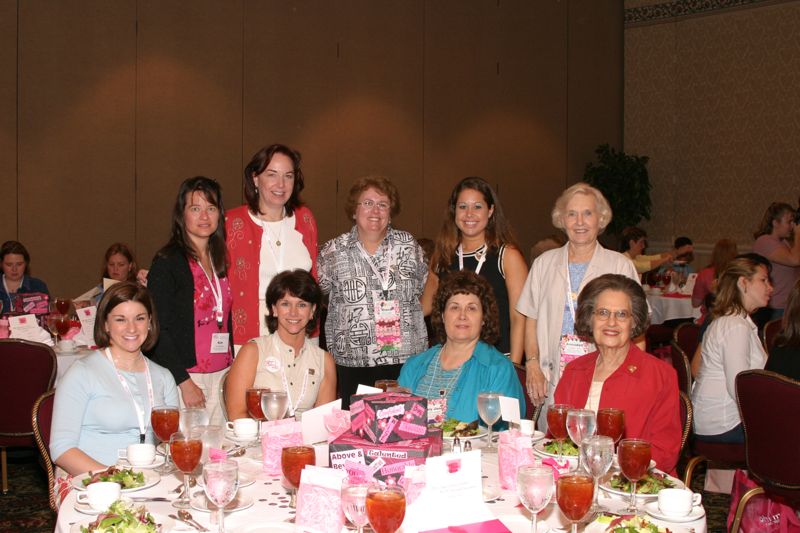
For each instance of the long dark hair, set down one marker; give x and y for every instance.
(179, 241)
(257, 165)
(498, 231)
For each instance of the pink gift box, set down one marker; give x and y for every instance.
(36, 303)
(393, 457)
(513, 450)
(389, 416)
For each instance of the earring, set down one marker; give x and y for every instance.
(256, 189)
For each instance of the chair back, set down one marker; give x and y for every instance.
(687, 337)
(767, 403)
(770, 331)
(680, 362)
(222, 397)
(687, 414)
(29, 369)
(42, 416)
(522, 376)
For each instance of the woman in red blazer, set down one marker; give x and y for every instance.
(612, 310)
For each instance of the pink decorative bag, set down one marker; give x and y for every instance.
(275, 436)
(762, 514)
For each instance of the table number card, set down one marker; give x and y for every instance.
(509, 409)
(25, 327)
(86, 315)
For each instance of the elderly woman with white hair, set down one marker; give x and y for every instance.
(549, 297)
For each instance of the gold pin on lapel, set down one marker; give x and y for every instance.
(632, 368)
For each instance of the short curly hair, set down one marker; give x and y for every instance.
(466, 282)
(381, 184)
(604, 213)
(587, 301)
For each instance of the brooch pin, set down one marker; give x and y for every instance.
(632, 369)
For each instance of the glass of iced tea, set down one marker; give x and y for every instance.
(165, 420)
(293, 460)
(611, 423)
(557, 424)
(63, 305)
(253, 402)
(574, 494)
(187, 449)
(634, 461)
(386, 507)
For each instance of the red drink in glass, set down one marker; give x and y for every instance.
(62, 325)
(611, 423)
(186, 454)
(557, 421)
(253, 401)
(634, 458)
(386, 509)
(294, 459)
(63, 305)
(574, 493)
(165, 422)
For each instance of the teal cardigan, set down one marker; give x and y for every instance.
(486, 370)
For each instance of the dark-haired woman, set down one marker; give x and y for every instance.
(476, 236)
(15, 261)
(285, 359)
(191, 293)
(119, 264)
(273, 232)
(104, 400)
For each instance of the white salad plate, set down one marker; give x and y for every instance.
(150, 478)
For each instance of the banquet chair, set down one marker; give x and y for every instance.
(764, 399)
(41, 417)
(680, 362)
(223, 403)
(687, 414)
(687, 337)
(770, 331)
(30, 370)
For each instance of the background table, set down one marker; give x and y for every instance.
(669, 307)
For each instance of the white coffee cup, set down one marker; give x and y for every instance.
(677, 502)
(138, 454)
(526, 427)
(244, 428)
(99, 496)
(66, 345)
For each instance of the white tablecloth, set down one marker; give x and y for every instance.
(271, 507)
(665, 308)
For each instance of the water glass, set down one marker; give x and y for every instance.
(580, 423)
(489, 411)
(535, 487)
(274, 404)
(597, 454)
(354, 501)
(220, 483)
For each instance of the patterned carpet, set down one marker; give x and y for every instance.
(25, 509)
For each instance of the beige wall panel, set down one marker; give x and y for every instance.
(380, 101)
(8, 118)
(189, 106)
(290, 94)
(595, 114)
(76, 144)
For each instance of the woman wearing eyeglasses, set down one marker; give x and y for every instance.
(375, 275)
(612, 309)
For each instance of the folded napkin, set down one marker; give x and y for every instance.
(29, 330)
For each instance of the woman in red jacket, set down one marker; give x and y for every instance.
(612, 310)
(272, 233)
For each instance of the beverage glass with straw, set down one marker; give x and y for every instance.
(489, 411)
(634, 461)
(535, 487)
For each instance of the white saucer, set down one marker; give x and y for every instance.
(158, 461)
(231, 436)
(653, 510)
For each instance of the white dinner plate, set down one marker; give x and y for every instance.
(167, 523)
(150, 478)
(85, 508)
(201, 503)
(653, 510)
(231, 436)
(539, 448)
(646, 497)
(245, 480)
(615, 463)
(158, 461)
(482, 432)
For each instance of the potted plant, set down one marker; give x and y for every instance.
(624, 181)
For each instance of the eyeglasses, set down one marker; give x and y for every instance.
(604, 314)
(369, 204)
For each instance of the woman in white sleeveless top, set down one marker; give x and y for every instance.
(285, 359)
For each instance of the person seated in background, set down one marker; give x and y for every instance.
(104, 400)
(119, 264)
(551, 242)
(285, 359)
(16, 262)
(633, 243)
(730, 346)
(465, 362)
(612, 310)
(682, 263)
(706, 284)
(784, 356)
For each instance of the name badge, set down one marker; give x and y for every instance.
(387, 323)
(220, 343)
(272, 364)
(437, 410)
(573, 347)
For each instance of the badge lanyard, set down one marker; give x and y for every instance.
(384, 279)
(480, 254)
(216, 291)
(292, 405)
(278, 258)
(569, 298)
(139, 409)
